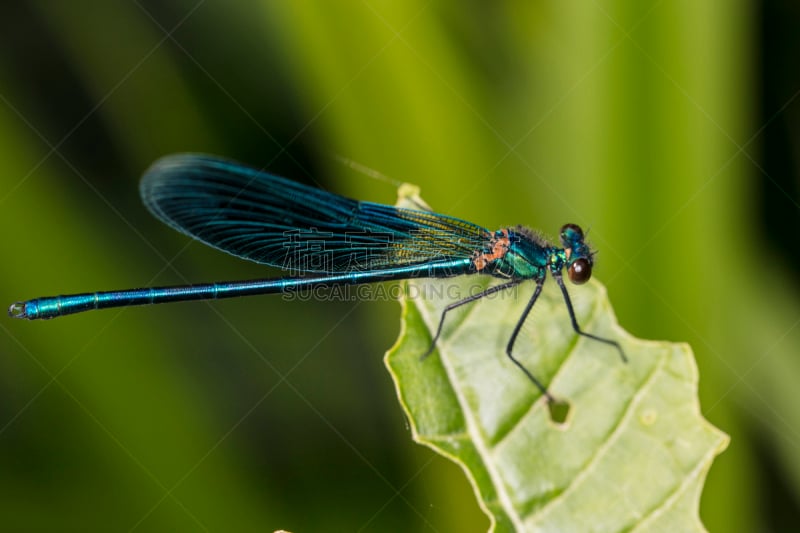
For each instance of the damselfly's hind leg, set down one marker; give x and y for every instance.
(482, 294)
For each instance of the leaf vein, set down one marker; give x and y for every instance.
(607, 444)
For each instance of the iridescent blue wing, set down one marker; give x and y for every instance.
(278, 222)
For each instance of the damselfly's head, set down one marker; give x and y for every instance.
(577, 253)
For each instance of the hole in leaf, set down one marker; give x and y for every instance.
(559, 410)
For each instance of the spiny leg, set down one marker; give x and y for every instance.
(450, 307)
(512, 340)
(575, 326)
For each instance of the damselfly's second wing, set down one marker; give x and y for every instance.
(278, 222)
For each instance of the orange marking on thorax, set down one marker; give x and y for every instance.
(499, 248)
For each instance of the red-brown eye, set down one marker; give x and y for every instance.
(579, 271)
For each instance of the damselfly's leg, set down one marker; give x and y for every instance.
(575, 326)
(482, 294)
(512, 340)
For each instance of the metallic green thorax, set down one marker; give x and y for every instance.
(518, 253)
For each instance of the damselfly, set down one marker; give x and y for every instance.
(339, 241)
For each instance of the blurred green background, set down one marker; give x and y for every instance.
(668, 128)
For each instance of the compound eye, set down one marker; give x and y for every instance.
(571, 231)
(579, 271)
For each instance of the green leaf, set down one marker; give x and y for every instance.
(634, 449)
